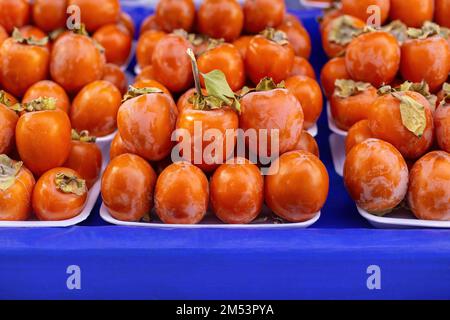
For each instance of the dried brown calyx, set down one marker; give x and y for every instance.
(9, 169)
(345, 88)
(446, 98)
(19, 38)
(420, 87)
(134, 92)
(429, 29)
(219, 94)
(4, 99)
(70, 184)
(398, 29)
(82, 136)
(266, 84)
(276, 36)
(343, 30)
(39, 104)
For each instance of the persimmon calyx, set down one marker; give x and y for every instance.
(343, 31)
(219, 94)
(9, 169)
(420, 87)
(398, 29)
(134, 92)
(428, 30)
(81, 30)
(412, 113)
(266, 84)
(346, 88)
(70, 184)
(82, 136)
(4, 99)
(39, 104)
(446, 98)
(276, 36)
(19, 38)
(193, 38)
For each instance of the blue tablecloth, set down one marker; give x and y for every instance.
(331, 260)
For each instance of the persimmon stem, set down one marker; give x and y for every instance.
(195, 72)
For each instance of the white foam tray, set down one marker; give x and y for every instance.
(264, 221)
(337, 146)
(332, 124)
(314, 4)
(401, 219)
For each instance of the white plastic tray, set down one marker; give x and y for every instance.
(332, 124)
(315, 4)
(265, 221)
(401, 219)
(337, 146)
(314, 130)
(105, 143)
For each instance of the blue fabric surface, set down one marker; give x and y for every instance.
(326, 261)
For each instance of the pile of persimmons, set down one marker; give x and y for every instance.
(387, 86)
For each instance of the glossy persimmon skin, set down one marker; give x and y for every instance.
(75, 62)
(373, 57)
(8, 121)
(86, 159)
(51, 204)
(150, 23)
(116, 41)
(228, 12)
(260, 14)
(427, 60)
(181, 194)
(298, 37)
(297, 185)
(413, 13)
(15, 202)
(376, 176)
(348, 111)
(359, 8)
(22, 65)
(442, 123)
(333, 70)
(49, 15)
(358, 133)
(117, 147)
(43, 139)
(49, 89)
(302, 67)
(175, 14)
(95, 14)
(442, 12)
(95, 108)
(237, 191)
(127, 187)
(386, 124)
(275, 109)
(429, 187)
(226, 58)
(171, 64)
(265, 58)
(116, 76)
(309, 94)
(308, 143)
(219, 119)
(331, 48)
(241, 44)
(146, 45)
(149, 83)
(15, 13)
(146, 124)
(183, 101)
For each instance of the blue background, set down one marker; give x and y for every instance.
(327, 261)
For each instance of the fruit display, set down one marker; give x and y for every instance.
(387, 92)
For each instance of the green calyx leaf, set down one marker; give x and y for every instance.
(39, 104)
(420, 87)
(428, 30)
(134, 92)
(70, 184)
(82, 136)
(19, 38)
(9, 169)
(219, 92)
(276, 36)
(343, 30)
(346, 88)
(398, 29)
(412, 113)
(4, 99)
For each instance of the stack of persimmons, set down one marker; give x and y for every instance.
(388, 87)
(225, 66)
